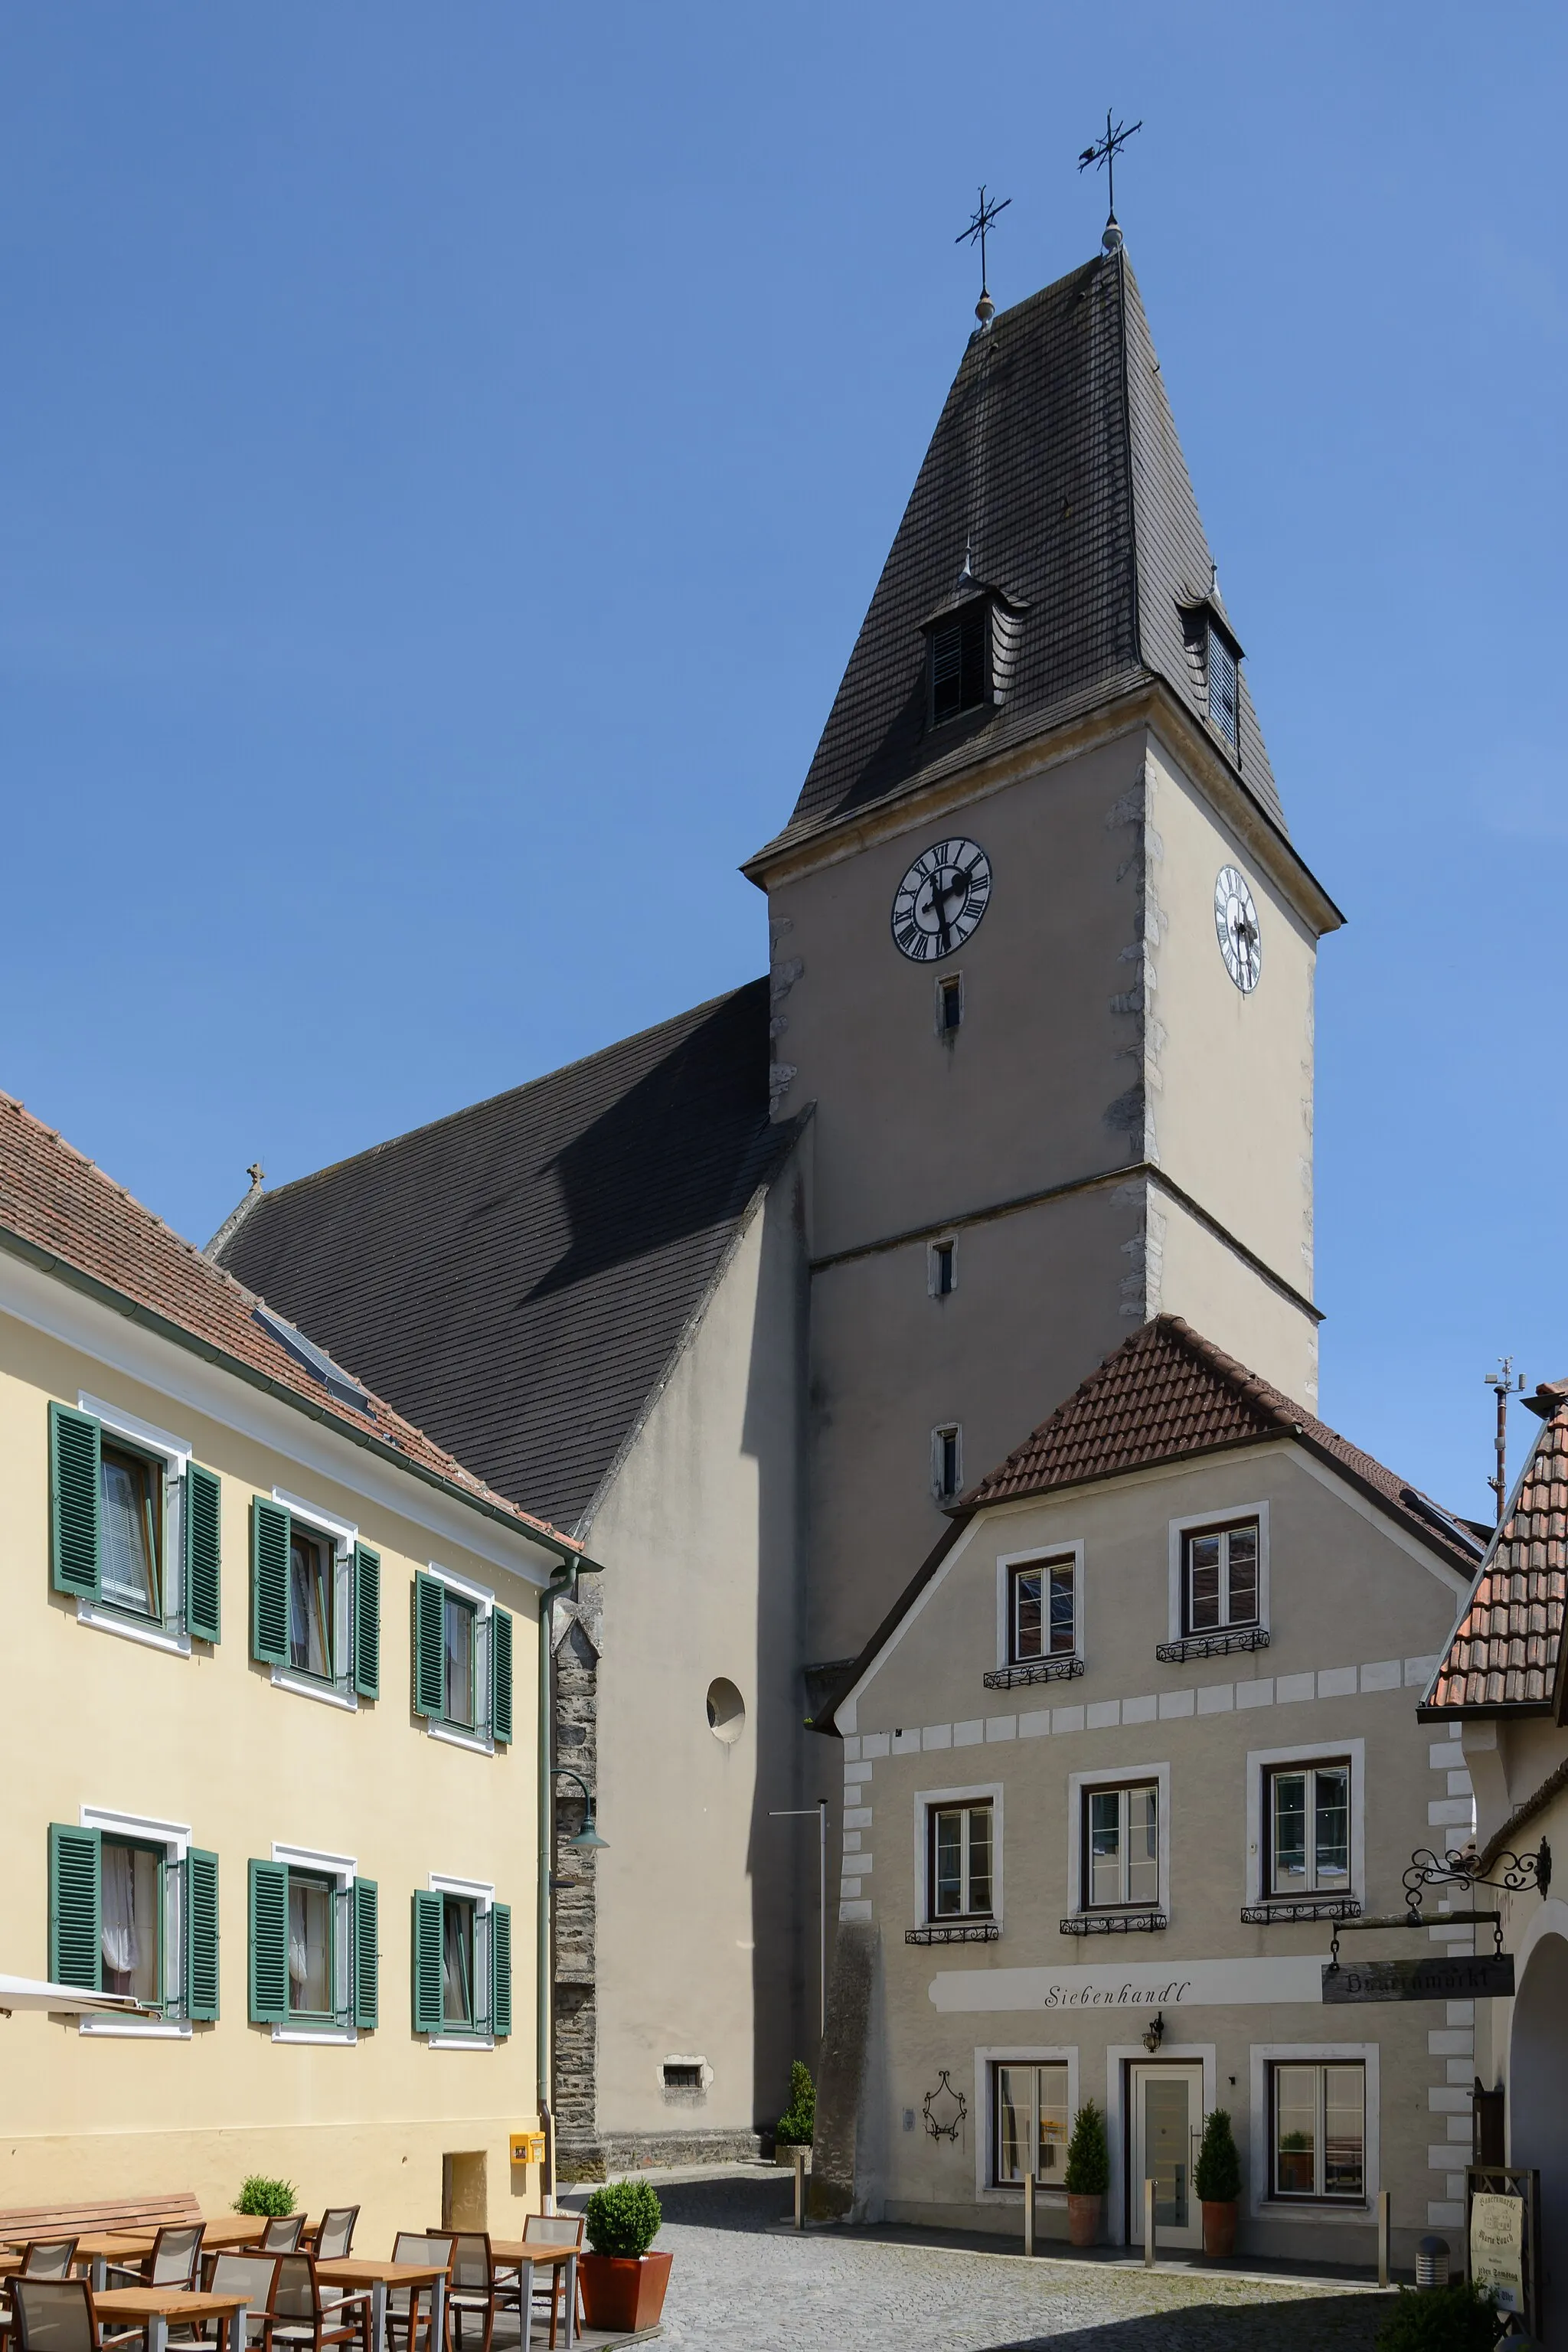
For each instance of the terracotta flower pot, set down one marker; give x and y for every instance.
(622, 2294)
(1219, 2230)
(1083, 2219)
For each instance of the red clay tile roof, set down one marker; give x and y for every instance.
(56, 1202)
(1505, 1649)
(1166, 1393)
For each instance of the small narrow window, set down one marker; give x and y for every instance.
(944, 1270)
(1318, 2132)
(959, 1862)
(948, 1003)
(311, 1907)
(1121, 1847)
(1220, 1583)
(312, 1562)
(1222, 691)
(132, 1921)
(459, 1660)
(961, 663)
(131, 1489)
(1045, 1611)
(681, 2076)
(947, 1466)
(1030, 2106)
(456, 1961)
(1309, 1829)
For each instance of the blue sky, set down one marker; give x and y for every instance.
(448, 453)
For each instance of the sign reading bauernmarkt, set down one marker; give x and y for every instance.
(1442, 1978)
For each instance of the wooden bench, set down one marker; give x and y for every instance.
(96, 2215)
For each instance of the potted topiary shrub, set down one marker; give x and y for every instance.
(1087, 2175)
(797, 2125)
(258, 2194)
(623, 2283)
(1217, 2177)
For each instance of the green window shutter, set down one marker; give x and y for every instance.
(269, 1538)
(203, 1579)
(269, 1943)
(74, 1501)
(75, 1905)
(430, 1629)
(428, 2008)
(500, 1969)
(201, 1932)
(500, 1675)
(367, 1958)
(367, 1622)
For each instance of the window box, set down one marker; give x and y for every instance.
(134, 1908)
(968, 1931)
(134, 1526)
(1112, 1923)
(1042, 1670)
(315, 1600)
(1277, 1914)
(462, 1661)
(1212, 1645)
(462, 1964)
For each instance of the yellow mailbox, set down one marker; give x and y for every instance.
(527, 2147)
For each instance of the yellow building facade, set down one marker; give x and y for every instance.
(271, 1746)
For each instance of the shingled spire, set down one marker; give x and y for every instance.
(1057, 460)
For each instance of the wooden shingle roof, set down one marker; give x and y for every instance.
(1506, 1651)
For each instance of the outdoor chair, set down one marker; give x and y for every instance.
(41, 2258)
(554, 2230)
(306, 2316)
(281, 2235)
(172, 2262)
(58, 2316)
(255, 2276)
(332, 2239)
(476, 2289)
(433, 2247)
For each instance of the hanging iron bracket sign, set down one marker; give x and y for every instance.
(1519, 1873)
(1444, 1976)
(1438, 1977)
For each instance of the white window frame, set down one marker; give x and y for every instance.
(175, 1837)
(342, 1535)
(1006, 1562)
(1261, 1763)
(943, 1429)
(988, 1792)
(166, 1632)
(1225, 1515)
(481, 1894)
(947, 1242)
(986, 2190)
(343, 1869)
(1362, 2210)
(480, 1741)
(1115, 1776)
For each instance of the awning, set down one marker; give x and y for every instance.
(27, 1992)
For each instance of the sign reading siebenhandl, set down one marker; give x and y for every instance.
(1497, 2247)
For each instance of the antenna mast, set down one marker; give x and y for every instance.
(1505, 1385)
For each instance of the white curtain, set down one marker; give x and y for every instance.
(118, 1930)
(298, 1954)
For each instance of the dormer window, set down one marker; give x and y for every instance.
(1223, 690)
(1216, 669)
(959, 662)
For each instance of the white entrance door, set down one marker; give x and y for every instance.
(1163, 2146)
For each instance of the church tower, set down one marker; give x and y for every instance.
(1041, 951)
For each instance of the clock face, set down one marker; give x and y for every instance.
(941, 900)
(1236, 922)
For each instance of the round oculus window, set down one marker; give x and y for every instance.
(726, 1711)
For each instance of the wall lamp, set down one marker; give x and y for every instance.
(587, 1837)
(1154, 2032)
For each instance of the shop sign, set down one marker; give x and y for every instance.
(1442, 1976)
(1497, 2248)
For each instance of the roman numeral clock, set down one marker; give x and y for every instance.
(940, 902)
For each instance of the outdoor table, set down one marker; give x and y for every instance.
(522, 2254)
(153, 2307)
(355, 2271)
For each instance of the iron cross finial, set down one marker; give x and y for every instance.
(1106, 151)
(984, 309)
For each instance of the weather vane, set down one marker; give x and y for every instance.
(984, 309)
(1106, 151)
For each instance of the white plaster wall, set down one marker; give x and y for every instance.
(700, 1535)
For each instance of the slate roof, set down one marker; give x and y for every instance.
(1057, 460)
(1506, 1651)
(59, 1210)
(1167, 1394)
(519, 1275)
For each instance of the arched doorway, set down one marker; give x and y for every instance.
(1538, 2124)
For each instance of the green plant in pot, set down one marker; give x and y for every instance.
(258, 2194)
(1217, 2177)
(797, 2127)
(623, 2283)
(1087, 2175)
(1462, 2318)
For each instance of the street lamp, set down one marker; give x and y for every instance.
(587, 1838)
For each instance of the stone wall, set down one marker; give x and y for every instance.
(578, 2154)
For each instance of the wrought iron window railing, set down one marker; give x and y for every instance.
(1326, 1907)
(1113, 1923)
(958, 1931)
(1032, 1670)
(1212, 1645)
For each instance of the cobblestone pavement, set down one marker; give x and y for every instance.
(738, 2286)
